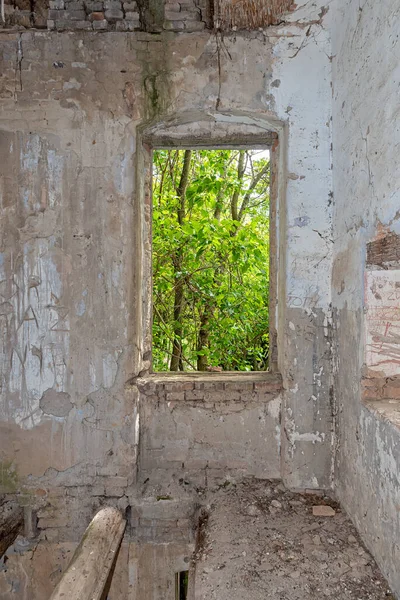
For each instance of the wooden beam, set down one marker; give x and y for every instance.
(11, 523)
(88, 571)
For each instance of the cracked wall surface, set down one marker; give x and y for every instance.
(366, 273)
(72, 106)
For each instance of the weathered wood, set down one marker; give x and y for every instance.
(11, 523)
(87, 573)
(249, 14)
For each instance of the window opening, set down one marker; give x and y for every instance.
(210, 259)
(181, 585)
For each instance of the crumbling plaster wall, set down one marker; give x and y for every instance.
(366, 50)
(71, 104)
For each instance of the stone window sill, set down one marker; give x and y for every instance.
(228, 381)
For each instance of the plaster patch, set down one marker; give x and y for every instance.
(55, 403)
(382, 321)
(295, 436)
(274, 408)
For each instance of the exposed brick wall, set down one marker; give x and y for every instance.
(207, 390)
(189, 15)
(208, 426)
(105, 15)
(24, 14)
(93, 14)
(384, 251)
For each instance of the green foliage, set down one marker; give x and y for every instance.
(210, 259)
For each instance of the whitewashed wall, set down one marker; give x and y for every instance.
(366, 141)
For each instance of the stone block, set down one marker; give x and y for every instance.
(97, 490)
(57, 15)
(121, 26)
(221, 396)
(173, 6)
(100, 24)
(79, 491)
(81, 25)
(114, 491)
(130, 6)
(189, 16)
(213, 386)
(123, 503)
(76, 15)
(67, 15)
(114, 14)
(175, 396)
(133, 25)
(268, 386)
(112, 5)
(96, 16)
(249, 396)
(132, 16)
(57, 492)
(94, 7)
(174, 25)
(188, 5)
(239, 386)
(194, 395)
(62, 24)
(77, 5)
(172, 15)
(51, 24)
(56, 4)
(323, 511)
(179, 386)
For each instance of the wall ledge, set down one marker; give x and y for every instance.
(387, 410)
(261, 382)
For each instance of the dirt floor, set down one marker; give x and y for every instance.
(260, 541)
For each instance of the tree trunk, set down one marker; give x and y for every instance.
(176, 362)
(204, 336)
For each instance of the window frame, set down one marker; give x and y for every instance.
(210, 132)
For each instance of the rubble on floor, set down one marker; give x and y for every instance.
(261, 541)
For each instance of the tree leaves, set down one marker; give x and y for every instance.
(210, 259)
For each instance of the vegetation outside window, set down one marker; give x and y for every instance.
(210, 260)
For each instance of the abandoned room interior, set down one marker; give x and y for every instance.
(202, 469)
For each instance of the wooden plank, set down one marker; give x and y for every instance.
(87, 573)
